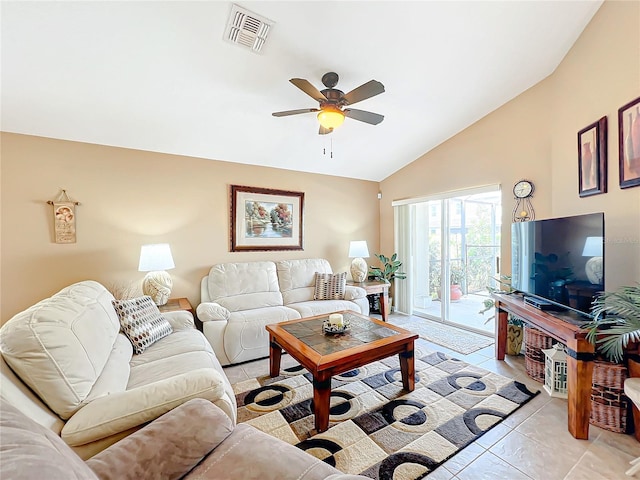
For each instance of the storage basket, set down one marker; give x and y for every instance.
(610, 407)
(535, 341)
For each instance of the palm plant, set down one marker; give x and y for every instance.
(616, 321)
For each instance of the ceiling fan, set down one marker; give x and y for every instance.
(332, 101)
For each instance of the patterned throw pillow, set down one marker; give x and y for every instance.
(141, 322)
(330, 286)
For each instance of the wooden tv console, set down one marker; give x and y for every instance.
(565, 328)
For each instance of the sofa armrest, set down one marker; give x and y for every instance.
(168, 447)
(118, 412)
(180, 320)
(210, 311)
(353, 293)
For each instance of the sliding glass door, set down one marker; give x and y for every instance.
(455, 248)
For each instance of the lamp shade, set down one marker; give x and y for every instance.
(330, 117)
(358, 248)
(155, 257)
(592, 247)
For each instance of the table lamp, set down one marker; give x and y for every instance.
(155, 259)
(358, 251)
(593, 267)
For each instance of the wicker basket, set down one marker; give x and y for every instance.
(535, 341)
(610, 407)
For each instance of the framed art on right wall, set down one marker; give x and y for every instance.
(629, 144)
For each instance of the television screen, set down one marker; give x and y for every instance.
(560, 260)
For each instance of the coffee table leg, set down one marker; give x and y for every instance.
(407, 368)
(322, 401)
(275, 353)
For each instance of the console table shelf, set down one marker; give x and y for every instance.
(566, 329)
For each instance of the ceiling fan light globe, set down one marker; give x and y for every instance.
(330, 118)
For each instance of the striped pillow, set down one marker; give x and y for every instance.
(141, 322)
(330, 286)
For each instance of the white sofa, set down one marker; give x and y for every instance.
(74, 372)
(239, 299)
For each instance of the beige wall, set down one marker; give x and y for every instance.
(129, 198)
(534, 136)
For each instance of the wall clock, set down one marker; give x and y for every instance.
(522, 192)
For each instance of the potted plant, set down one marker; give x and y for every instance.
(615, 327)
(515, 325)
(456, 274)
(389, 271)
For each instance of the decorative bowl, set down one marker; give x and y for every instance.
(335, 329)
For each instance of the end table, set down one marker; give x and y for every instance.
(376, 287)
(177, 304)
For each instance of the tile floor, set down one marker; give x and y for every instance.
(532, 443)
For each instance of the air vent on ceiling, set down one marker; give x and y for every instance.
(247, 29)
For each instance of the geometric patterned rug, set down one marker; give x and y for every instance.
(376, 428)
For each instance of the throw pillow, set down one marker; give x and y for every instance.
(330, 286)
(141, 322)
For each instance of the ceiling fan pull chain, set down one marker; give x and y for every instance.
(332, 148)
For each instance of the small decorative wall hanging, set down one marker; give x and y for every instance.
(592, 159)
(629, 143)
(64, 218)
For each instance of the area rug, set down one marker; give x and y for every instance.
(447, 336)
(376, 428)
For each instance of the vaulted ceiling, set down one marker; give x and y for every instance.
(159, 76)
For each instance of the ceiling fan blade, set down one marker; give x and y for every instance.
(324, 131)
(309, 89)
(364, 91)
(366, 117)
(294, 112)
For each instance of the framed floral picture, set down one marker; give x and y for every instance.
(266, 219)
(592, 159)
(629, 144)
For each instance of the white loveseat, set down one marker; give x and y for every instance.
(89, 386)
(239, 299)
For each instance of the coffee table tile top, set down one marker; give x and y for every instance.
(361, 331)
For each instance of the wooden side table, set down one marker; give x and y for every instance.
(177, 304)
(376, 287)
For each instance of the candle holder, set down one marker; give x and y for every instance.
(333, 329)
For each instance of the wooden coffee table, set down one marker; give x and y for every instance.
(367, 341)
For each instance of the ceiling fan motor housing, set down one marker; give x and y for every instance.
(334, 97)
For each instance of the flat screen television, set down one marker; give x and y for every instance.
(559, 260)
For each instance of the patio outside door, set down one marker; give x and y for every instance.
(455, 257)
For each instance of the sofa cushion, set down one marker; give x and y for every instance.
(297, 278)
(323, 307)
(141, 322)
(115, 374)
(244, 286)
(167, 448)
(250, 454)
(60, 346)
(30, 450)
(330, 286)
(246, 338)
(121, 411)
